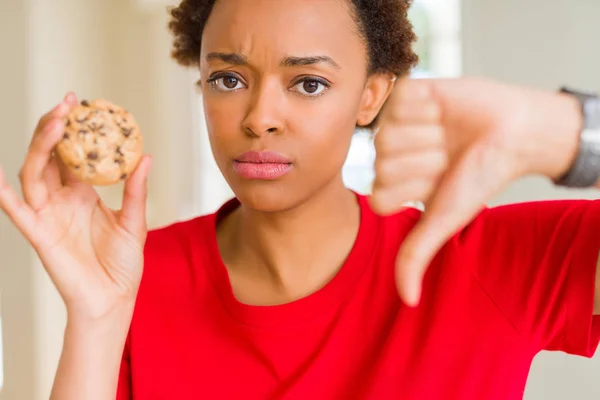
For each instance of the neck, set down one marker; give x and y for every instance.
(293, 253)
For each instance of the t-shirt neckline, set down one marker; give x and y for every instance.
(330, 295)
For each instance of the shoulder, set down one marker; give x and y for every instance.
(390, 229)
(173, 254)
(523, 218)
(169, 239)
(393, 225)
(175, 240)
(496, 225)
(512, 233)
(176, 264)
(400, 221)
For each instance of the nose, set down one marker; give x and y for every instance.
(264, 114)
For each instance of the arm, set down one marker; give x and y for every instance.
(91, 357)
(466, 136)
(536, 262)
(93, 255)
(562, 115)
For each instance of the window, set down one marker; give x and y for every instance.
(437, 25)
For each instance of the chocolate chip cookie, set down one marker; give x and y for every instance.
(102, 143)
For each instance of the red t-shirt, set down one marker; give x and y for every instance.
(517, 280)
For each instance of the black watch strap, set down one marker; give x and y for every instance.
(585, 171)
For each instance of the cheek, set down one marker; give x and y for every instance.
(221, 114)
(223, 120)
(326, 128)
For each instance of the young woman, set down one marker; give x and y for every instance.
(289, 291)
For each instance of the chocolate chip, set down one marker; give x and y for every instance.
(126, 132)
(65, 136)
(83, 132)
(85, 103)
(92, 155)
(119, 152)
(124, 176)
(118, 161)
(76, 166)
(68, 123)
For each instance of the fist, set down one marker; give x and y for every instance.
(410, 143)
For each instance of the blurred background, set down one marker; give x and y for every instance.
(119, 49)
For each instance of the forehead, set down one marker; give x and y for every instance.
(281, 26)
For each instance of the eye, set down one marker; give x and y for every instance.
(226, 83)
(311, 86)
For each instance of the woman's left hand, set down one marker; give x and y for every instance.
(454, 144)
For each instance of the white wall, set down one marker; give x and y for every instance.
(542, 43)
(15, 257)
(114, 49)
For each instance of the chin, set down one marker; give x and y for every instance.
(268, 196)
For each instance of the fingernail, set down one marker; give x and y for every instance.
(70, 98)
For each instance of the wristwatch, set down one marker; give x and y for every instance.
(585, 171)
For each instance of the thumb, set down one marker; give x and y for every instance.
(459, 197)
(133, 213)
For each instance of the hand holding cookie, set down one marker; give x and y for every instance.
(94, 255)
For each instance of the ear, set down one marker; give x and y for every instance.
(376, 91)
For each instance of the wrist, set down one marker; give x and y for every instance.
(117, 319)
(99, 310)
(558, 124)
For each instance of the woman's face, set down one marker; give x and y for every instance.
(284, 82)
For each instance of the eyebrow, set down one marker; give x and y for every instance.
(238, 59)
(228, 58)
(312, 60)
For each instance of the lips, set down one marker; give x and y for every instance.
(264, 165)
(263, 157)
